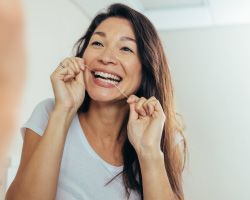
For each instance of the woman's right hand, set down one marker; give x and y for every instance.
(68, 84)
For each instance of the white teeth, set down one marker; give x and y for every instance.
(106, 75)
(108, 81)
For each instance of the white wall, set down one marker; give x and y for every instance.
(211, 69)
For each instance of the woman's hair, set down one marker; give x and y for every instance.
(156, 81)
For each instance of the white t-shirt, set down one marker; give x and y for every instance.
(83, 173)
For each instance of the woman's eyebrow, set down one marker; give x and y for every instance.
(123, 38)
(100, 33)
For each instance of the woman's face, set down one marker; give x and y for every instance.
(112, 54)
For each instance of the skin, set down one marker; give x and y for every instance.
(107, 110)
(12, 74)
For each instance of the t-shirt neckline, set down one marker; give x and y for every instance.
(93, 152)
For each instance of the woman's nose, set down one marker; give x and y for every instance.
(108, 56)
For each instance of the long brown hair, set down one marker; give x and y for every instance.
(156, 81)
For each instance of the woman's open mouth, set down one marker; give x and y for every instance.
(104, 79)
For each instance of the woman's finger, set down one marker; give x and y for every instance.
(71, 65)
(133, 115)
(151, 106)
(155, 105)
(148, 106)
(68, 77)
(80, 61)
(139, 106)
(67, 70)
(132, 99)
(62, 71)
(75, 64)
(151, 99)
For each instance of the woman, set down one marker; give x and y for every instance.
(96, 143)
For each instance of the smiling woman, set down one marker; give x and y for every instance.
(91, 141)
(113, 45)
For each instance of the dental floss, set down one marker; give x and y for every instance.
(111, 83)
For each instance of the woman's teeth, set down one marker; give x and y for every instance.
(108, 81)
(110, 78)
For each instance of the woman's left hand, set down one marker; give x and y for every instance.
(145, 124)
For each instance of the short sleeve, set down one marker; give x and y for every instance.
(39, 118)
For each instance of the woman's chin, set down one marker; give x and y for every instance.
(102, 98)
(105, 97)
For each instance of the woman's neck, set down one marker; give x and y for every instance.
(105, 121)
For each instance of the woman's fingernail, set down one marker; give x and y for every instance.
(128, 101)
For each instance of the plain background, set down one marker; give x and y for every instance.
(210, 71)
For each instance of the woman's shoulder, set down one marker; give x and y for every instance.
(39, 118)
(42, 110)
(45, 105)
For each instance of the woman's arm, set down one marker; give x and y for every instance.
(144, 129)
(38, 172)
(156, 184)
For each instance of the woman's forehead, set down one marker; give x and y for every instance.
(115, 25)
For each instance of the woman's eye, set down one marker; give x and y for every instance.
(95, 43)
(127, 49)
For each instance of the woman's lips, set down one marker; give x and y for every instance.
(102, 83)
(106, 71)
